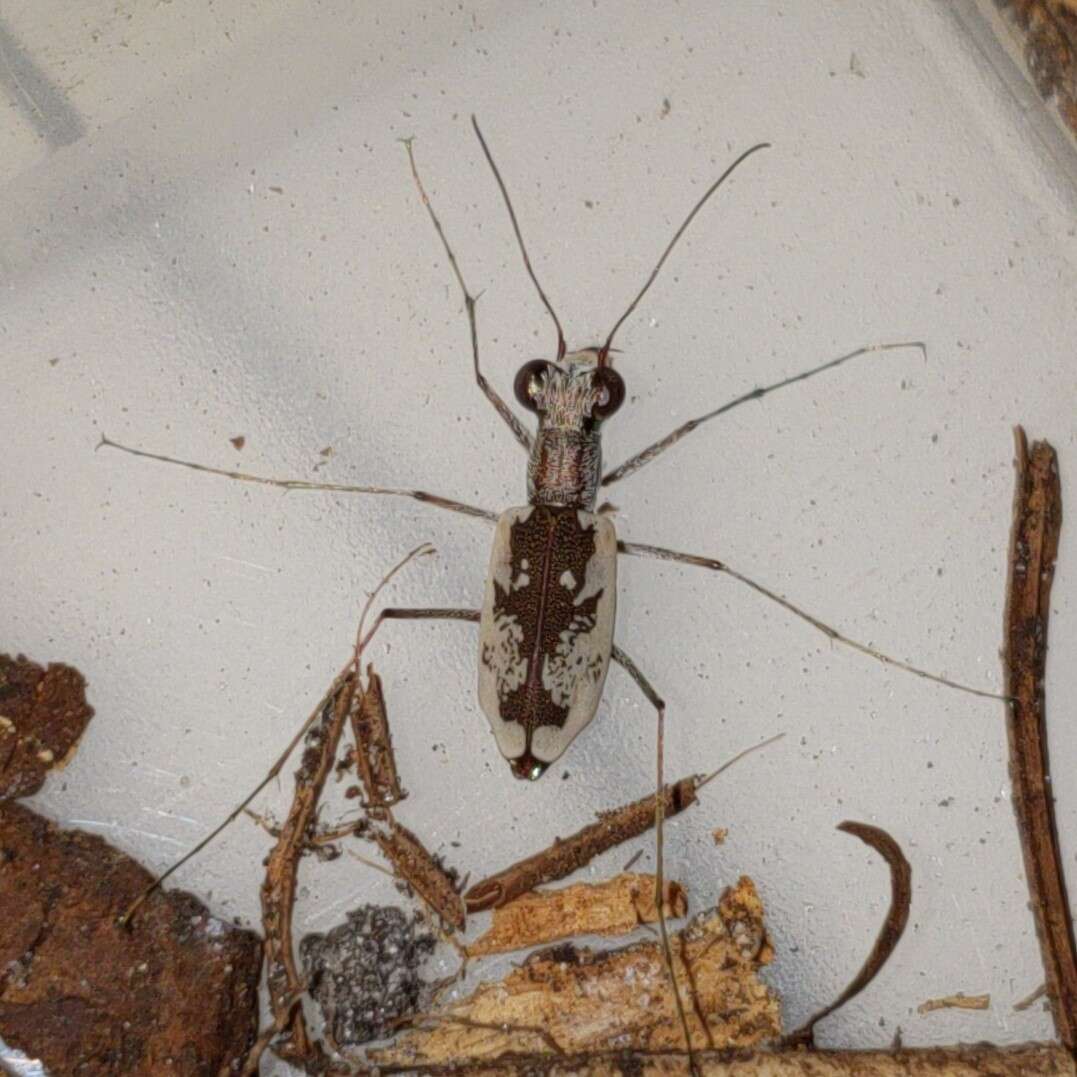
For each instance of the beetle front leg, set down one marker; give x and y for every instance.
(419, 613)
(645, 456)
(506, 413)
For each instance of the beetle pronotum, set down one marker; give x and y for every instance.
(546, 627)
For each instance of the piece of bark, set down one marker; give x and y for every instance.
(42, 715)
(955, 1002)
(1037, 522)
(570, 1000)
(613, 907)
(177, 993)
(1033, 1060)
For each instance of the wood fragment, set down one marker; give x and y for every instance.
(720, 834)
(897, 917)
(1037, 522)
(418, 867)
(1032, 1060)
(960, 1001)
(616, 906)
(619, 999)
(375, 760)
(570, 854)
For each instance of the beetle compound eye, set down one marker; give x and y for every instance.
(529, 379)
(609, 388)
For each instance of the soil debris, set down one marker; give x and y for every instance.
(42, 715)
(365, 973)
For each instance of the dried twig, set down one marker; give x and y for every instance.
(567, 855)
(282, 868)
(1037, 521)
(376, 762)
(1036, 1060)
(890, 933)
(416, 866)
(1031, 998)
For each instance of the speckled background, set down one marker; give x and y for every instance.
(209, 230)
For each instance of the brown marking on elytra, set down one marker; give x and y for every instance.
(546, 597)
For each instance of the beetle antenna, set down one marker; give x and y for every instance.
(605, 350)
(520, 239)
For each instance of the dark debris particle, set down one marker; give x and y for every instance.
(365, 973)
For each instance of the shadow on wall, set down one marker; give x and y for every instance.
(35, 95)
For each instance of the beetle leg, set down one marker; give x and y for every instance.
(305, 484)
(470, 301)
(659, 705)
(639, 549)
(394, 613)
(645, 456)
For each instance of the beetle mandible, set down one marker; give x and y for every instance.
(546, 628)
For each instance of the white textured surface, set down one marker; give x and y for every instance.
(209, 230)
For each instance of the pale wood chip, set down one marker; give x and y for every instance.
(613, 907)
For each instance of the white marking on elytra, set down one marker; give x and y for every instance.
(567, 579)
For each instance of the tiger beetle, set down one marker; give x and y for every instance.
(546, 627)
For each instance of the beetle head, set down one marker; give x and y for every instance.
(578, 393)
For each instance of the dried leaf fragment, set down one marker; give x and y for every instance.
(960, 1001)
(613, 907)
(583, 1000)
